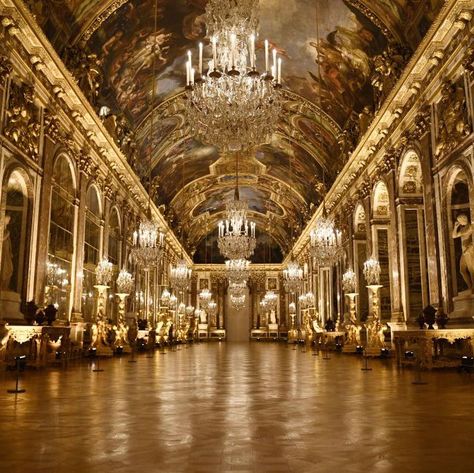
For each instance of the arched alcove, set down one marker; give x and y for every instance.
(16, 230)
(459, 208)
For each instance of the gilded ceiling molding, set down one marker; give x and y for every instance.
(89, 29)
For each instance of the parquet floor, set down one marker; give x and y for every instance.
(237, 407)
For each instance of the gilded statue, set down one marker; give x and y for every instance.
(452, 118)
(388, 67)
(21, 124)
(6, 270)
(463, 229)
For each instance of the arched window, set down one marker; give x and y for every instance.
(61, 236)
(92, 237)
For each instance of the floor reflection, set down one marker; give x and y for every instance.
(236, 407)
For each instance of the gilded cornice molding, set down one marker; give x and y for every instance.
(402, 104)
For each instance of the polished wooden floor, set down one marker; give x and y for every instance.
(237, 407)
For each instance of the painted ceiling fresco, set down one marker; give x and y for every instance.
(327, 81)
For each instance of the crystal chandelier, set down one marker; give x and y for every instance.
(306, 300)
(189, 310)
(232, 105)
(56, 275)
(325, 238)
(148, 244)
(264, 304)
(212, 308)
(103, 272)
(236, 235)
(125, 282)
(270, 299)
(293, 276)
(349, 281)
(237, 302)
(372, 271)
(205, 298)
(180, 276)
(173, 301)
(165, 297)
(237, 270)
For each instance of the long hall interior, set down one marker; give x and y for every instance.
(236, 235)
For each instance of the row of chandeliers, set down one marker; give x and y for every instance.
(234, 107)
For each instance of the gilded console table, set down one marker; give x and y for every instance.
(429, 346)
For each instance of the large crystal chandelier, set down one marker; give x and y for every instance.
(293, 276)
(180, 276)
(326, 245)
(237, 270)
(148, 244)
(236, 235)
(372, 271)
(205, 297)
(103, 272)
(125, 282)
(232, 105)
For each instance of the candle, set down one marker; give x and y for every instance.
(135, 236)
(192, 75)
(266, 55)
(188, 72)
(279, 71)
(273, 72)
(200, 59)
(274, 53)
(214, 51)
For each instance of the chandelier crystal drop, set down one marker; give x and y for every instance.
(293, 276)
(55, 275)
(326, 245)
(205, 297)
(372, 271)
(236, 235)
(349, 281)
(237, 270)
(103, 272)
(232, 105)
(148, 243)
(180, 276)
(125, 282)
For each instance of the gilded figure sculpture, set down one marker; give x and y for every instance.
(452, 118)
(463, 230)
(21, 124)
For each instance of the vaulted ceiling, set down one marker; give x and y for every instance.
(282, 180)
